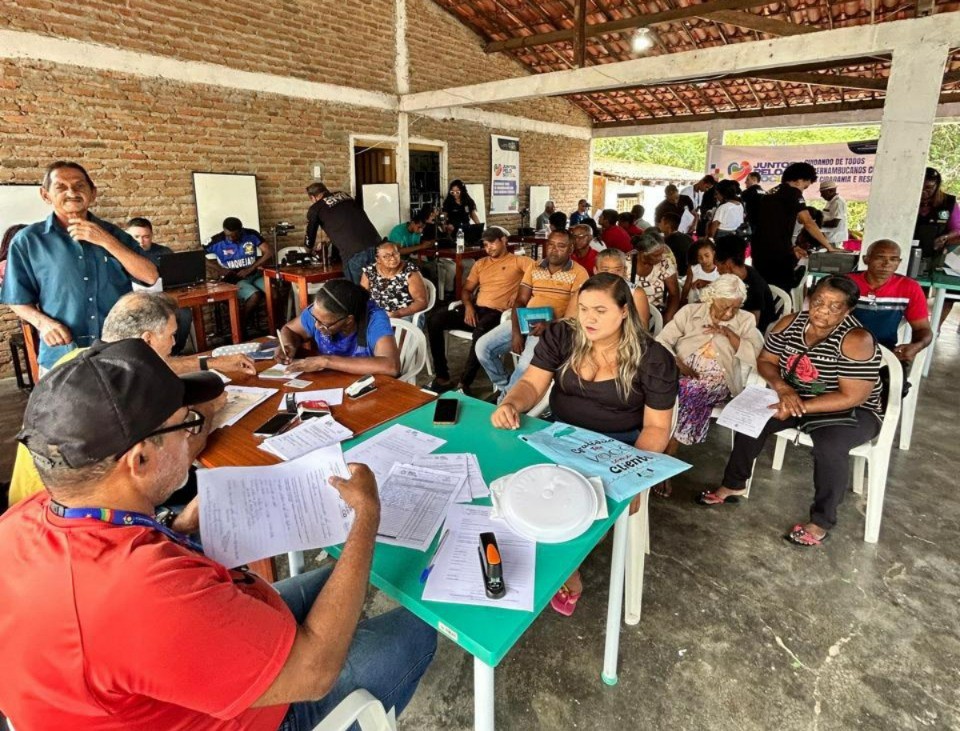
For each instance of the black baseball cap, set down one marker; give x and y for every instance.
(106, 400)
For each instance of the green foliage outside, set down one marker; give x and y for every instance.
(690, 150)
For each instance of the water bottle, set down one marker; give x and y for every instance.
(460, 243)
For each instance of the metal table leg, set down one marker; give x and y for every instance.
(938, 300)
(615, 601)
(483, 698)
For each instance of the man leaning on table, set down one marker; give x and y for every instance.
(117, 621)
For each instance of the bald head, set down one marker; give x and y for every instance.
(883, 245)
(882, 260)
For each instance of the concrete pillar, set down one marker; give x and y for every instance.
(402, 68)
(715, 129)
(908, 115)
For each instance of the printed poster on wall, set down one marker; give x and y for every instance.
(849, 163)
(505, 174)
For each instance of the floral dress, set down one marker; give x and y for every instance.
(699, 395)
(391, 293)
(655, 283)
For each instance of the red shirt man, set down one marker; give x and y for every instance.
(612, 235)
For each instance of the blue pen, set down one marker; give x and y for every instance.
(426, 572)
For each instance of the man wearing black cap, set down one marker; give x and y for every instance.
(494, 282)
(114, 619)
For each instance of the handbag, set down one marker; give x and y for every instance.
(809, 423)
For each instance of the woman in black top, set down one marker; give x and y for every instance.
(609, 376)
(459, 207)
(819, 361)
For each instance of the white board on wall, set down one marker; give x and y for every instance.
(480, 198)
(381, 201)
(21, 204)
(221, 195)
(539, 195)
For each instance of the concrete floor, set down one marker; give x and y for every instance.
(741, 630)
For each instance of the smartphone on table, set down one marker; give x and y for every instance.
(274, 425)
(446, 411)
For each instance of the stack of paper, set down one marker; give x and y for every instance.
(240, 401)
(311, 434)
(397, 444)
(459, 464)
(413, 504)
(278, 372)
(749, 411)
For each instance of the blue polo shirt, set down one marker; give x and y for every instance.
(236, 255)
(71, 281)
(378, 326)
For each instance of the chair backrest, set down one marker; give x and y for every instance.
(891, 415)
(505, 317)
(784, 302)
(431, 293)
(412, 344)
(656, 321)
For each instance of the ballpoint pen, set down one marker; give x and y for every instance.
(426, 572)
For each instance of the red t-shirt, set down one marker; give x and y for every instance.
(118, 627)
(588, 261)
(616, 238)
(880, 310)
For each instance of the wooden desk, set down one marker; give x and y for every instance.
(196, 296)
(301, 276)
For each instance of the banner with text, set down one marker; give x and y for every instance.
(848, 163)
(504, 174)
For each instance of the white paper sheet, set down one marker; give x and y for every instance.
(249, 513)
(456, 575)
(686, 221)
(312, 434)
(478, 486)
(333, 397)
(461, 464)
(413, 504)
(241, 400)
(278, 372)
(397, 444)
(749, 411)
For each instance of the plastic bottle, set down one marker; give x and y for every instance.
(460, 242)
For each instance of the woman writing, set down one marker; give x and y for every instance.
(608, 376)
(712, 341)
(459, 207)
(822, 364)
(350, 333)
(395, 285)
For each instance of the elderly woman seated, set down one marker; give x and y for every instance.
(395, 285)
(657, 274)
(711, 341)
(825, 368)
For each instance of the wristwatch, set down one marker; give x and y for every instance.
(204, 366)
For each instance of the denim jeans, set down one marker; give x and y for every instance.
(491, 348)
(387, 657)
(353, 267)
(522, 363)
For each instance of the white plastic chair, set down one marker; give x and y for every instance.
(638, 546)
(796, 294)
(362, 708)
(543, 403)
(874, 456)
(784, 302)
(412, 344)
(656, 322)
(914, 377)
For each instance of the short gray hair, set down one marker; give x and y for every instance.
(137, 313)
(650, 241)
(724, 287)
(613, 254)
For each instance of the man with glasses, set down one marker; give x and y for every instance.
(490, 289)
(119, 619)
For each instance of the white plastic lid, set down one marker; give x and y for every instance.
(548, 503)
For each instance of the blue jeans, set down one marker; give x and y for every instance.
(388, 656)
(491, 347)
(353, 267)
(523, 362)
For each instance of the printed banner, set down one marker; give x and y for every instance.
(504, 174)
(849, 163)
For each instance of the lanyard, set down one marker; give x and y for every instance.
(123, 517)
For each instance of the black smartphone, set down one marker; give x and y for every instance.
(446, 411)
(274, 424)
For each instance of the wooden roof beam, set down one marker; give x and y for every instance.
(759, 23)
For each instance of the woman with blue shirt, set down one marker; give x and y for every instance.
(349, 331)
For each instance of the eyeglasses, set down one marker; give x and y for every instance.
(193, 424)
(834, 308)
(327, 327)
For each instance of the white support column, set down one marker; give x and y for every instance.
(715, 131)
(906, 128)
(402, 67)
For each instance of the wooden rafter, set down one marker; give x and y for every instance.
(759, 23)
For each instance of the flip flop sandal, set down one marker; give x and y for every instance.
(800, 536)
(565, 601)
(709, 497)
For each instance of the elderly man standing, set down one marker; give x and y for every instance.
(65, 273)
(834, 213)
(140, 630)
(543, 220)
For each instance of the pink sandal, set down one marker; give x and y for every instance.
(565, 601)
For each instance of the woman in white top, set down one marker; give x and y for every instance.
(728, 216)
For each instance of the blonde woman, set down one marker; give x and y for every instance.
(609, 377)
(711, 340)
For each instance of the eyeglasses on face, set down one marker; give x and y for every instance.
(327, 327)
(834, 308)
(192, 424)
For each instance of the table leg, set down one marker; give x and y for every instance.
(483, 698)
(615, 601)
(304, 295)
(938, 299)
(638, 546)
(268, 294)
(457, 277)
(199, 329)
(236, 332)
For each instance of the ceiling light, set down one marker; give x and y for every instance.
(643, 40)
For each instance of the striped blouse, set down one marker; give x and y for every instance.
(820, 369)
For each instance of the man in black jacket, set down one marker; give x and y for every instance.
(347, 226)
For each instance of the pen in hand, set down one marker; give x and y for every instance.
(283, 350)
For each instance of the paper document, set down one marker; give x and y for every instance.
(686, 221)
(333, 396)
(278, 372)
(749, 411)
(456, 576)
(251, 513)
(413, 503)
(397, 444)
(321, 431)
(222, 376)
(478, 486)
(241, 400)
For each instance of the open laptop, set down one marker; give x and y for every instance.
(183, 268)
(472, 234)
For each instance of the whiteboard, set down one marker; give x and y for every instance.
(381, 201)
(220, 195)
(539, 195)
(21, 204)
(480, 198)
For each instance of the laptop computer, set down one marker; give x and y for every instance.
(182, 268)
(472, 233)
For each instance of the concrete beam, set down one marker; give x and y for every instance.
(509, 122)
(738, 58)
(834, 80)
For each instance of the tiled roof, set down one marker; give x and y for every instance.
(630, 170)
